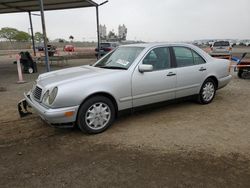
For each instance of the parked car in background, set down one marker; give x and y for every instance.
(39, 47)
(105, 47)
(246, 42)
(51, 49)
(233, 43)
(221, 48)
(128, 77)
(69, 48)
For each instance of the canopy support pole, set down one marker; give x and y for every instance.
(98, 31)
(45, 42)
(32, 34)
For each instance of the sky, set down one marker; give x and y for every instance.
(147, 20)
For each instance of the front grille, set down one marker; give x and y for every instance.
(37, 93)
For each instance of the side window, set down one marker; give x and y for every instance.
(198, 59)
(184, 56)
(159, 58)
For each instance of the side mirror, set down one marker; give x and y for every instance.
(145, 68)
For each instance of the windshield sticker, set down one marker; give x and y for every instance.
(122, 62)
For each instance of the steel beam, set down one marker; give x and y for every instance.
(45, 42)
(98, 31)
(98, 28)
(32, 34)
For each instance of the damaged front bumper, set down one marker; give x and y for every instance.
(22, 107)
(56, 117)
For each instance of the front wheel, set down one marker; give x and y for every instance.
(207, 92)
(96, 115)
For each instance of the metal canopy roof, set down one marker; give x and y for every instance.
(12, 6)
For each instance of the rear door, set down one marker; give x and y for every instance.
(191, 71)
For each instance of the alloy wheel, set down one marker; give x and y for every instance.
(97, 116)
(208, 91)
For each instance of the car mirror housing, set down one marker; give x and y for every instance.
(145, 68)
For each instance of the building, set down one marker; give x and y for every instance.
(122, 32)
(103, 32)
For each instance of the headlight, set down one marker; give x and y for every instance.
(34, 86)
(52, 95)
(45, 97)
(49, 97)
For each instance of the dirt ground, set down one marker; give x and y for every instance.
(179, 145)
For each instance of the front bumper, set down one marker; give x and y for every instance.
(222, 82)
(52, 116)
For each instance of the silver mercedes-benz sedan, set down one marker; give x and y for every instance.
(130, 76)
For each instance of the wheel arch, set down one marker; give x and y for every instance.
(214, 79)
(104, 94)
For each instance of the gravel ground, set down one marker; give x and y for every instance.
(179, 145)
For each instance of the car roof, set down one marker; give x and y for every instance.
(148, 46)
(155, 44)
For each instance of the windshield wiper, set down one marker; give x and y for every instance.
(113, 67)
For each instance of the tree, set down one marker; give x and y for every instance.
(71, 38)
(112, 36)
(122, 32)
(38, 37)
(22, 36)
(8, 33)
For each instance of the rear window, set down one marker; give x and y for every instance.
(184, 56)
(222, 43)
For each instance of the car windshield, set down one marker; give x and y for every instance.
(222, 43)
(121, 58)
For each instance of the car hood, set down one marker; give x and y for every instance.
(56, 78)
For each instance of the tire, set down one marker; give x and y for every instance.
(240, 72)
(96, 115)
(207, 92)
(245, 75)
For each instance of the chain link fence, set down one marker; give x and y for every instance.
(6, 45)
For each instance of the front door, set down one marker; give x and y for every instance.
(157, 85)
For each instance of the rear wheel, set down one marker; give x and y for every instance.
(207, 92)
(96, 115)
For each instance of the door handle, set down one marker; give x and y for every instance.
(202, 69)
(171, 74)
